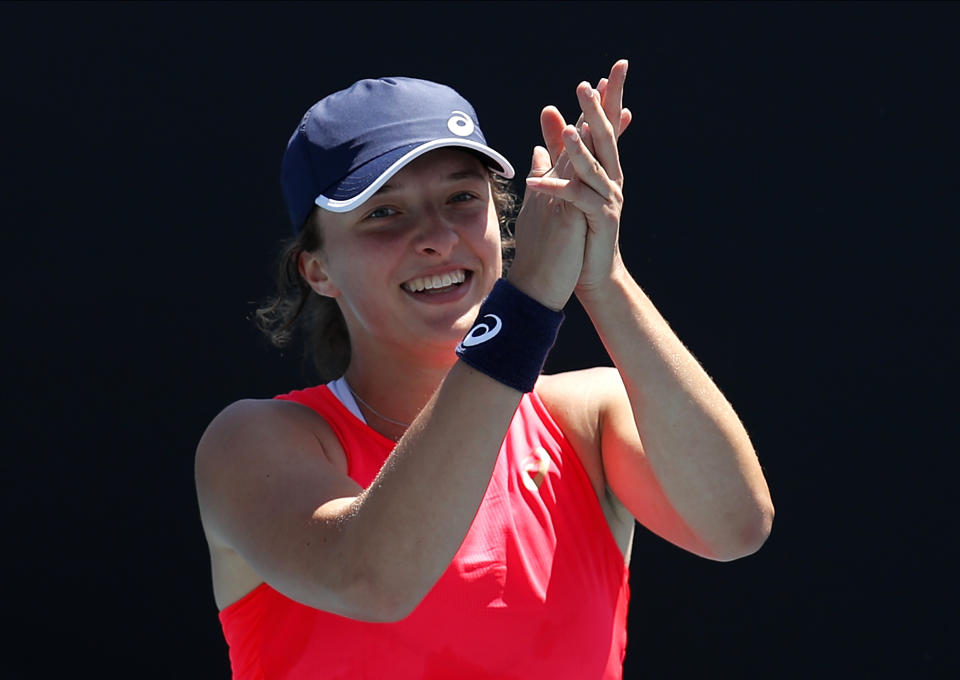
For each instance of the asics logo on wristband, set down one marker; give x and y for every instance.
(482, 332)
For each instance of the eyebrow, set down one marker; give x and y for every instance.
(452, 177)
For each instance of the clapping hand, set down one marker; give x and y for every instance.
(580, 168)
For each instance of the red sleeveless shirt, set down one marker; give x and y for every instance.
(538, 589)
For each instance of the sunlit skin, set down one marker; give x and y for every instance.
(660, 443)
(433, 217)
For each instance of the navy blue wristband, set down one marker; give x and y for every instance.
(511, 337)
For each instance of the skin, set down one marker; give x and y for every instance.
(659, 441)
(433, 216)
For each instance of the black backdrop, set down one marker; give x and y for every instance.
(792, 185)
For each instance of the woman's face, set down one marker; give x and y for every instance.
(411, 265)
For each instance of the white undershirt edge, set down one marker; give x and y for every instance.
(342, 392)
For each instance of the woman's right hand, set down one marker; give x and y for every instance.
(550, 233)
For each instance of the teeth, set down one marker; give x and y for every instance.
(435, 281)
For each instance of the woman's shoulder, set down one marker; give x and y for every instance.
(256, 431)
(262, 466)
(246, 415)
(582, 392)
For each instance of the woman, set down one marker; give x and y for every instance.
(441, 509)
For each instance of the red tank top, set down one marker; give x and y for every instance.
(538, 589)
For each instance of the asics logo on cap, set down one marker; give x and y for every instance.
(482, 332)
(460, 124)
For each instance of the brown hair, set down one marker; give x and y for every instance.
(297, 309)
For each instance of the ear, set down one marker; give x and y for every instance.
(314, 271)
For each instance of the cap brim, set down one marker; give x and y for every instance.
(365, 181)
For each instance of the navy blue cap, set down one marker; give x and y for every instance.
(351, 142)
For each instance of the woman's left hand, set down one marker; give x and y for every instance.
(588, 174)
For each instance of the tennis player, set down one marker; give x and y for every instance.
(435, 507)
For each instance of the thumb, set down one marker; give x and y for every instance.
(540, 163)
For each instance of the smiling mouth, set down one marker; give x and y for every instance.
(438, 283)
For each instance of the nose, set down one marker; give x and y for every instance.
(435, 235)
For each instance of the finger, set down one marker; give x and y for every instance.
(625, 114)
(581, 120)
(574, 192)
(612, 96)
(587, 167)
(602, 89)
(551, 125)
(540, 163)
(603, 135)
(587, 138)
(562, 166)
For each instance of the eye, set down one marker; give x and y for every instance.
(462, 197)
(381, 212)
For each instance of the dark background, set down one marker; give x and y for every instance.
(792, 186)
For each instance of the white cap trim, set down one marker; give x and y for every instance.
(351, 203)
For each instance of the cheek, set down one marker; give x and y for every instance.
(493, 237)
(364, 258)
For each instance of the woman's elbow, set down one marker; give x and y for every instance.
(750, 535)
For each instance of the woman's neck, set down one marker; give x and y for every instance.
(391, 392)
